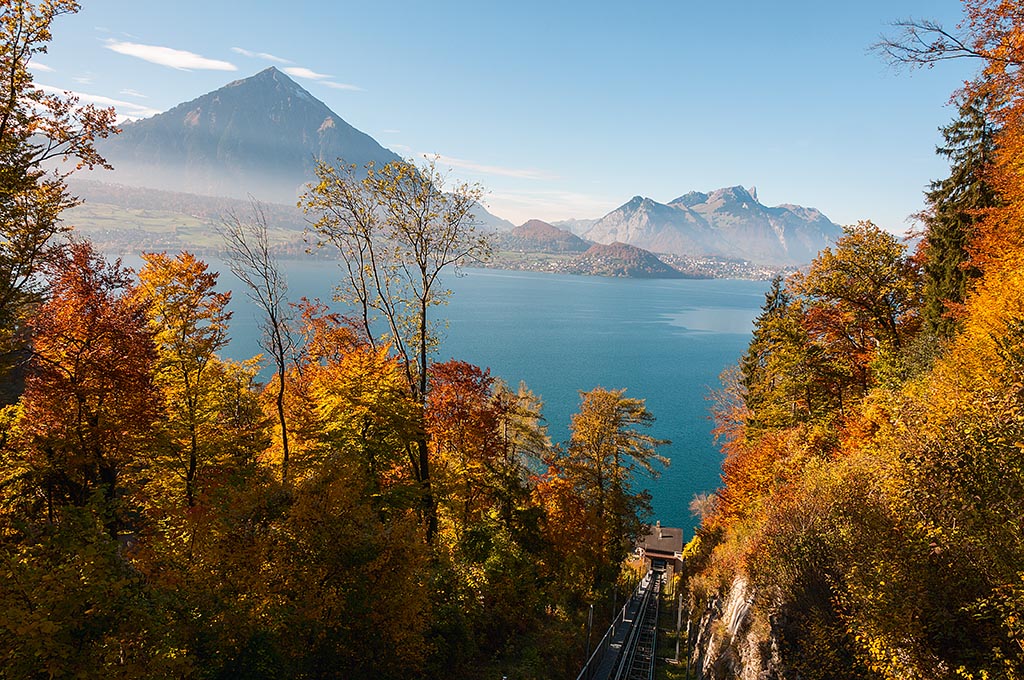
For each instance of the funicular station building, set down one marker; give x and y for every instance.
(662, 550)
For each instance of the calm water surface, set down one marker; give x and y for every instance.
(665, 341)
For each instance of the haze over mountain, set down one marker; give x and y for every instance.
(539, 236)
(259, 136)
(575, 225)
(728, 222)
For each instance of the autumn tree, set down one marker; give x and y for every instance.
(189, 321)
(870, 279)
(352, 402)
(482, 436)
(863, 300)
(89, 403)
(523, 444)
(605, 453)
(397, 229)
(35, 127)
(462, 425)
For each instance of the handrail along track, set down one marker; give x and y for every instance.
(628, 653)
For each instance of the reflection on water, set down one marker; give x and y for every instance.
(714, 320)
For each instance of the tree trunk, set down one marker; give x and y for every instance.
(190, 477)
(281, 420)
(429, 504)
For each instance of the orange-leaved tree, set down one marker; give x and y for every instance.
(352, 406)
(90, 403)
(462, 425)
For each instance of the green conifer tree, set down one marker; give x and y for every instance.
(954, 205)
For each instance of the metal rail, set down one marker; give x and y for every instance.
(638, 659)
(630, 630)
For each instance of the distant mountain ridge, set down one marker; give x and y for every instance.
(727, 222)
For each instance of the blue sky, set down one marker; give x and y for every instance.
(565, 109)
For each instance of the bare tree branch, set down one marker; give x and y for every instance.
(924, 43)
(251, 261)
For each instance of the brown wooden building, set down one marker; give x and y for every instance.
(662, 548)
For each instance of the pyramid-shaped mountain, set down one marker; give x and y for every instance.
(258, 136)
(728, 222)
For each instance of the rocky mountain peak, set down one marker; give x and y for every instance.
(736, 194)
(727, 222)
(271, 81)
(690, 199)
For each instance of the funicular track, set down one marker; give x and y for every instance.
(627, 650)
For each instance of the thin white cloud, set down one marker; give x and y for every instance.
(302, 72)
(167, 56)
(341, 86)
(260, 55)
(83, 80)
(519, 173)
(133, 93)
(37, 66)
(550, 205)
(391, 132)
(125, 110)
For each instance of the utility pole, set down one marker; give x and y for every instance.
(679, 620)
(689, 653)
(590, 623)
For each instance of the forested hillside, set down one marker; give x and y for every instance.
(366, 513)
(869, 525)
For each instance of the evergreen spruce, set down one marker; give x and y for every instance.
(954, 208)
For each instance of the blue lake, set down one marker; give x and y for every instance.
(665, 341)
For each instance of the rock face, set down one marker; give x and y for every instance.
(620, 259)
(736, 641)
(536, 236)
(657, 227)
(257, 136)
(729, 222)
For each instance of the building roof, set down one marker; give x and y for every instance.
(661, 539)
